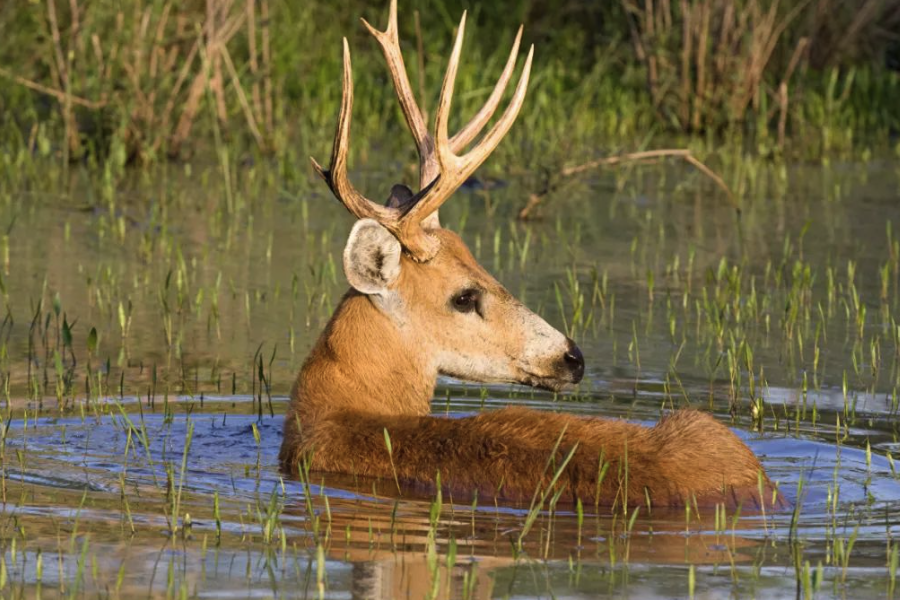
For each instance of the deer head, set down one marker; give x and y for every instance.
(459, 319)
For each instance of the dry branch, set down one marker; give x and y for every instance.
(58, 94)
(242, 97)
(646, 156)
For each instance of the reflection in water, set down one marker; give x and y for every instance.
(395, 546)
(375, 542)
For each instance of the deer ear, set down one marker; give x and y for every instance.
(400, 196)
(371, 258)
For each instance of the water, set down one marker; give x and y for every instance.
(202, 319)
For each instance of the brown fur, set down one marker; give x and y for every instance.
(367, 375)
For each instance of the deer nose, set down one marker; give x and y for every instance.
(574, 360)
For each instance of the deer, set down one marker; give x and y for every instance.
(420, 306)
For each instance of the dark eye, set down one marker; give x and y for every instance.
(466, 301)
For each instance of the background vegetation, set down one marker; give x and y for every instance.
(142, 80)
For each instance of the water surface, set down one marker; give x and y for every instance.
(778, 319)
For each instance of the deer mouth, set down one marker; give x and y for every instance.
(548, 383)
(567, 371)
(551, 385)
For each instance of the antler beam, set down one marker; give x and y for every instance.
(441, 169)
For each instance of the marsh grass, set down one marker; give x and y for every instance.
(154, 319)
(185, 320)
(255, 80)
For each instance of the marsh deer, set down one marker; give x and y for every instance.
(421, 306)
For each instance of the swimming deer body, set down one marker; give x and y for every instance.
(421, 306)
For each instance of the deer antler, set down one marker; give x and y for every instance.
(441, 169)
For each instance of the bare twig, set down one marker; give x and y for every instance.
(59, 95)
(702, 51)
(609, 161)
(195, 93)
(57, 44)
(686, 43)
(173, 95)
(267, 66)
(783, 89)
(535, 199)
(62, 68)
(214, 55)
(245, 105)
(714, 176)
(254, 60)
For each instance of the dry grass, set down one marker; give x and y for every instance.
(143, 80)
(149, 69)
(715, 63)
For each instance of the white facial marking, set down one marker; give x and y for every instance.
(541, 349)
(541, 339)
(500, 342)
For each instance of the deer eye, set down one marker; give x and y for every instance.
(466, 301)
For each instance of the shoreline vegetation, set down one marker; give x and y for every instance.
(139, 81)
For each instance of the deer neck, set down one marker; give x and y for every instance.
(364, 361)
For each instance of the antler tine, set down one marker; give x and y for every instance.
(474, 127)
(446, 157)
(456, 169)
(473, 159)
(441, 170)
(336, 177)
(389, 40)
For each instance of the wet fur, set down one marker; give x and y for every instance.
(365, 375)
(503, 454)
